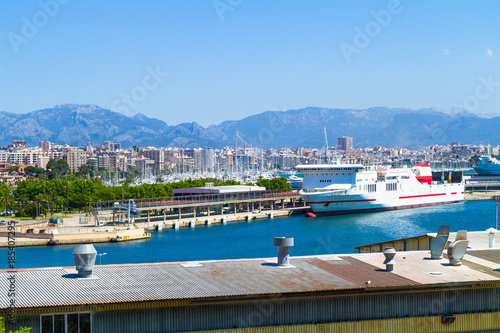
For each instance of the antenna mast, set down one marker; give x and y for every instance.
(326, 143)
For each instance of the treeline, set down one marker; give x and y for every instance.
(76, 194)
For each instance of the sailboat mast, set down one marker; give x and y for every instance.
(326, 143)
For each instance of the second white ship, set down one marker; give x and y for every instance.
(350, 188)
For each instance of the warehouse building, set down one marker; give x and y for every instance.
(323, 293)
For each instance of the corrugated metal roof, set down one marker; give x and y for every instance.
(489, 255)
(175, 281)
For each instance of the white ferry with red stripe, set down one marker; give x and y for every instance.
(351, 188)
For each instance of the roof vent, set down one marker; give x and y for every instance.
(84, 256)
(461, 235)
(389, 254)
(283, 244)
(456, 251)
(439, 242)
(491, 237)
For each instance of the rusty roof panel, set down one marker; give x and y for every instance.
(359, 273)
(178, 281)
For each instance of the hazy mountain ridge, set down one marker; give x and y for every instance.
(76, 125)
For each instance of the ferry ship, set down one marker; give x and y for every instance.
(331, 189)
(488, 166)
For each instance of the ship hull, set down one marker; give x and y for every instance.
(490, 172)
(428, 195)
(488, 166)
(383, 209)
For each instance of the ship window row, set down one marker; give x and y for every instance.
(325, 181)
(333, 174)
(370, 187)
(332, 170)
(391, 187)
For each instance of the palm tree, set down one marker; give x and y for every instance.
(53, 196)
(5, 193)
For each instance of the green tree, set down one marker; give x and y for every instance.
(34, 172)
(84, 172)
(6, 195)
(78, 200)
(59, 202)
(32, 210)
(57, 169)
(278, 183)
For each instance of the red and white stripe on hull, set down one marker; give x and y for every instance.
(383, 209)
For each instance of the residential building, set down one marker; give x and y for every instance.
(345, 143)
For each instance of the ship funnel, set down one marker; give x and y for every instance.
(283, 244)
(438, 244)
(389, 254)
(84, 256)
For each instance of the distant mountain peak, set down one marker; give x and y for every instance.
(76, 124)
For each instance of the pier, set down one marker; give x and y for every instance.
(201, 206)
(103, 224)
(485, 185)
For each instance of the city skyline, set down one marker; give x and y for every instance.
(220, 60)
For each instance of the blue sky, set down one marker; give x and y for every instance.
(210, 61)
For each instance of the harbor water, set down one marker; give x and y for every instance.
(254, 239)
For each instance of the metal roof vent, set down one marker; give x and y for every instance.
(283, 244)
(389, 254)
(84, 256)
(491, 237)
(456, 251)
(439, 242)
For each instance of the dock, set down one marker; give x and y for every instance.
(200, 206)
(73, 232)
(83, 235)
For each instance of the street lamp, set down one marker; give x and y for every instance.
(496, 198)
(100, 256)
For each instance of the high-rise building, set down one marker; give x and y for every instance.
(17, 144)
(110, 146)
(75, 158)
(44, 145)
(345, 143)
(157, 155)
(208, 159)
(196, 155)
(90, 147)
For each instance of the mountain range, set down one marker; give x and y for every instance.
(76, 125)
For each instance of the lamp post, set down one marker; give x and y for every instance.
(496, 198)
(100, 256)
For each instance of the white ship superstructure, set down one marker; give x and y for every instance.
(351, 188)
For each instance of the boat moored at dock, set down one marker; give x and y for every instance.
(351, 188)
(488, 166)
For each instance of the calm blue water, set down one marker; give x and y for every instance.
(321, 235)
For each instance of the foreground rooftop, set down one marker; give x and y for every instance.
(247, 278)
